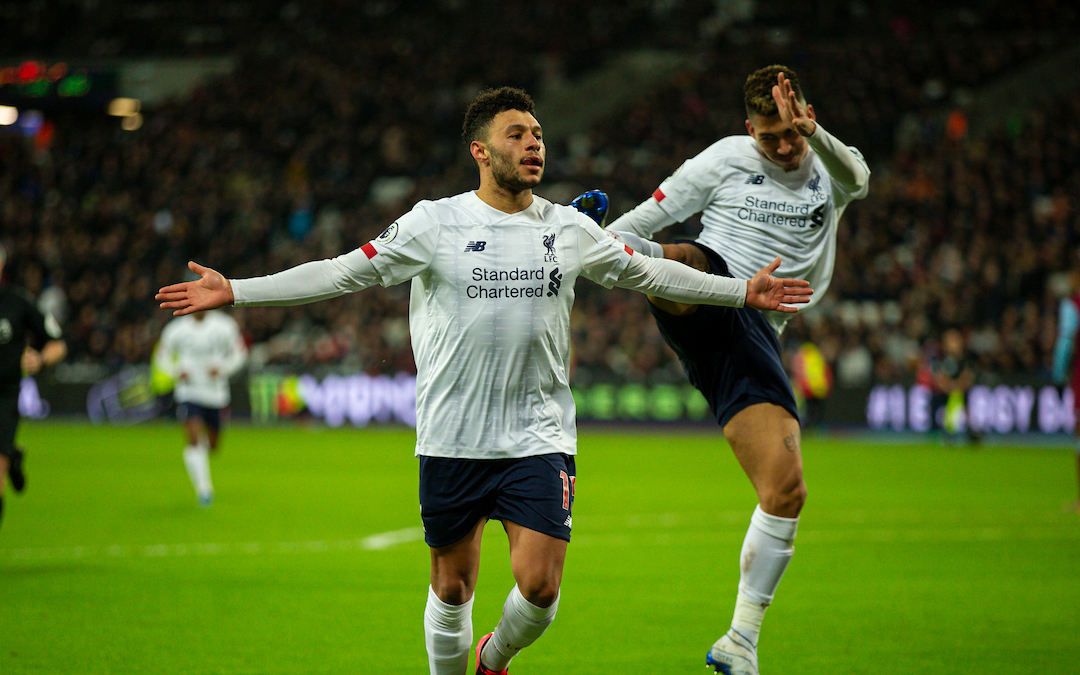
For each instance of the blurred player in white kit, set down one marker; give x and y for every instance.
(200, 352)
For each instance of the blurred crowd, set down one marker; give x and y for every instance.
(340, 116)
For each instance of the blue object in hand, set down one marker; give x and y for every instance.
(594, 204)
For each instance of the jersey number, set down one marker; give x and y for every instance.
(568, 483)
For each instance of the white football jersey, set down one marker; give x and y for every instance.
(490, 320)
(752, 211)
(207, 351)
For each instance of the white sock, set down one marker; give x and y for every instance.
(521, 624)
(197, 461)
(448, 635)
(766, 552)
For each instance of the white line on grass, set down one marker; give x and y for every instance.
(626, 530)
(375, 542)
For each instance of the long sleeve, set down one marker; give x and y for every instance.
(309, 282)
(679, 283)
(235, 357)
(642, 246)
(844, 164)
(644, 220)
(164, 357)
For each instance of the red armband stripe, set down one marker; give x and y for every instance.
(629, 251)
(658, 195)
(368, 250)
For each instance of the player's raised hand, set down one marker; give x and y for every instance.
(792, 111)
(210, 291)
(765, 291)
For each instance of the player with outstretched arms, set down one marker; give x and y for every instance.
(492, 273)
(779, 190)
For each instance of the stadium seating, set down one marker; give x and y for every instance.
(337, 120)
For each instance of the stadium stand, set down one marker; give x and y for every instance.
(336, 120)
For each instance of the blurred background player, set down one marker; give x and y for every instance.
(200, 352)
(29, 341)
(952, 373)
(812, 380)
(779, 191)
(492, 273)
(1065, 362)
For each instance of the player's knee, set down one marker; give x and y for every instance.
(541, 591)
(785, 499)
(453, 584)
(798, 497)
(453, 591)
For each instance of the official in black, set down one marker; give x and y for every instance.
(29, 341)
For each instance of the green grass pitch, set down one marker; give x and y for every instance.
(909, 559)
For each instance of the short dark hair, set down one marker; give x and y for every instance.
(490, 103)
(757, 92)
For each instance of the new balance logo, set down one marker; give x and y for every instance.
(755, 179)
(568, 522)
(475, 246)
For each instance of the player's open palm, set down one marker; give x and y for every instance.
(210, 291)
(765, 291)
(792, 111)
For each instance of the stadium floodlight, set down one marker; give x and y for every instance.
(124, 107)
(8, 115)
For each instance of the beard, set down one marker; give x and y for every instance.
(505, 173)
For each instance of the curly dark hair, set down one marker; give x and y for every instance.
(757, 92)
(490, 103)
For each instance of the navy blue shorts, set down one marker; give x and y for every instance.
(211, 416)
(534, 492)
(731, 354)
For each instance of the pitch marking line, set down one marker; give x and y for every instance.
(375, 542)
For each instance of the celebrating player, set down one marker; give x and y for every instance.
(200, 352)
(24, 329)
(493, 274)
(780, 190)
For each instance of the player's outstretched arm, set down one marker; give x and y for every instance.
(210, 291)
(845, 165)
(765, 291)
(679, 283)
